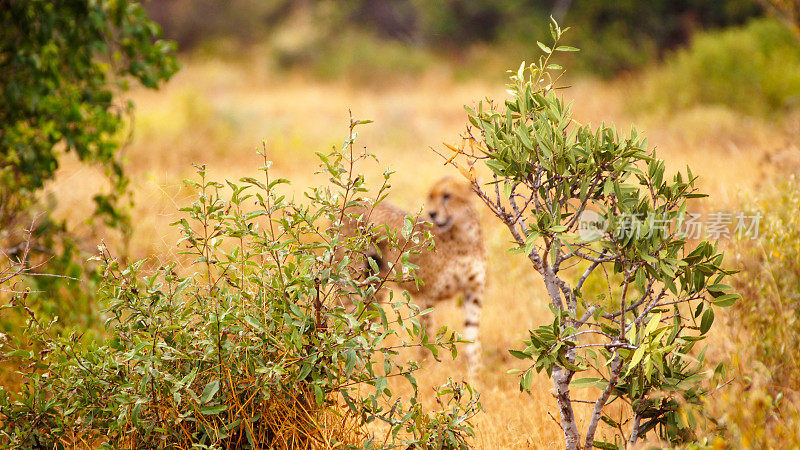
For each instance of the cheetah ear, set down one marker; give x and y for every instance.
(466, 188)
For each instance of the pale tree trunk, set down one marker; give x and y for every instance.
(561, 376)
(561, 380)
(637, 419)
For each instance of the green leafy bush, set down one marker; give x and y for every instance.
(581, 203)
(62, 66)
(615, 36)
(754, 69)
(68, 288)
(251, 348)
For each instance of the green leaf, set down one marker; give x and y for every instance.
(530, 241)
(254, 323)
(640, 279)
(507, 188)
(209, 391)
(670, 285)
(524, 137)
(380, 385)
(213, 410)
(526, 381)
(721, 288)
(707, 320)
(655, 319)
(562, 359)
(319, 397)
(408, 227)
(496, 166)
(636, 359)
(519, 355)
(605, 445)
(544, 48)
(726, 300)
(589, 382)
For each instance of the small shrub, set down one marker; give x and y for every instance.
(754, 69)
(582, 203)
(250, 349)
(63, 66)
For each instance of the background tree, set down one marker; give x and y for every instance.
(63, 66)
(601, 223)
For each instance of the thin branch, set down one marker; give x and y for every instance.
(616, 368)
(637, 418)
(587, 272)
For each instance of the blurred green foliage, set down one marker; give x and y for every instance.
(625, 35)
(62, 66)
(191, 22)
(615, 36)
(754, 69)
(357, 57)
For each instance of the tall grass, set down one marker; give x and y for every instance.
(761, 406)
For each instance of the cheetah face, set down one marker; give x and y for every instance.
(449, 202)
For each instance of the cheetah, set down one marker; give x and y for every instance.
(457, 263)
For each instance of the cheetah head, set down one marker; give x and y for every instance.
(449, 203)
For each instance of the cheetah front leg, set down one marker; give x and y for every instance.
(472, 321)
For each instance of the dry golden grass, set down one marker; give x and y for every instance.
(218, 113)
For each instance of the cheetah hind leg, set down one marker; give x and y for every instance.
(472, 320)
